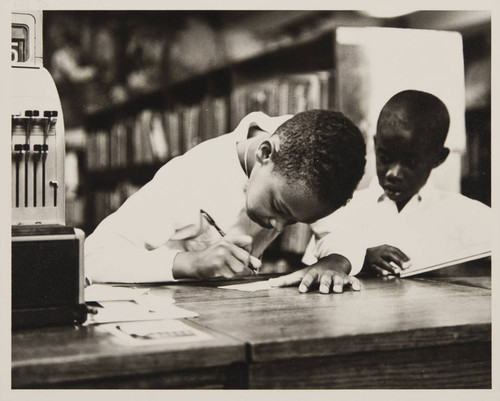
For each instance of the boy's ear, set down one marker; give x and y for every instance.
(265, 151)
(441, 156)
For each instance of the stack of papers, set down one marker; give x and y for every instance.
(104, 292)
(130, 311)
(125, 304)
(136, 317)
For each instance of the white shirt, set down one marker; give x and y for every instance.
(139, 242)
(432, 223)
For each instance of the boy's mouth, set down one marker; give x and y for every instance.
(392, 192)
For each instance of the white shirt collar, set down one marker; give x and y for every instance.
(380, 196)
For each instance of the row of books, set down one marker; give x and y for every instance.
(288, 94)
(154, 136)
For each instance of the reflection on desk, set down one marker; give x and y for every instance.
(421, 332)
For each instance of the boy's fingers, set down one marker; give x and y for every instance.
(239, 253)
(398, 256)
(242, 241)
(338, 283)
(236, 265)
(288, 279)
(390, 266)
(241, 248)
(255, 262)
(309, 278)
(325, 284)
(354, 282)
(380, 272)
(397, 259)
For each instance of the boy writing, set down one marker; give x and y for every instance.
(212, 212)
(400, 211)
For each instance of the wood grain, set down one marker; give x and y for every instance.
(386, 313)
(456, 366)
(66, 354)
(218, 377)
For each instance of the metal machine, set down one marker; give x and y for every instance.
(47, 255)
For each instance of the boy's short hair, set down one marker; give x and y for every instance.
(326, 151)
(423, 113)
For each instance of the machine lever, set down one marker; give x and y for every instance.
(55, 185)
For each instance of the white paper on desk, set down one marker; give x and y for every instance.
(154, 303)
(127, 311)
(254, 286)
(156, 332)
(106, 292)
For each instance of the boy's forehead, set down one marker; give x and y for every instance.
(402, 132)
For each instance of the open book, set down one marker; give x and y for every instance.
(426, 262)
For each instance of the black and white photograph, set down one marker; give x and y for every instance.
(248, 198)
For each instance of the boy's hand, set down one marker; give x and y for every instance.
(329, 273)
(225, 258)
(386, 259)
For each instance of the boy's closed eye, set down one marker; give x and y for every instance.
(282, 211)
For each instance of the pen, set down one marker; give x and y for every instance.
(222, 233)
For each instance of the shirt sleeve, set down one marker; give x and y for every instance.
(339, 233)
(130, 245)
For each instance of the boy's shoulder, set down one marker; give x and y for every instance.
(455, 198)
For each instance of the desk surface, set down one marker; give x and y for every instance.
(277, 326)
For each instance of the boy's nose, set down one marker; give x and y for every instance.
(394, 172)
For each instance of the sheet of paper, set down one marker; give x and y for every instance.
(155, 332)
(254, 286)
(155, 303)
(105, 292)
(126, 311)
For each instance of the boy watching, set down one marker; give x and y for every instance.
(212, 212)
(400, 211)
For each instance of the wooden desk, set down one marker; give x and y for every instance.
(395, 333)
(88, 357)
